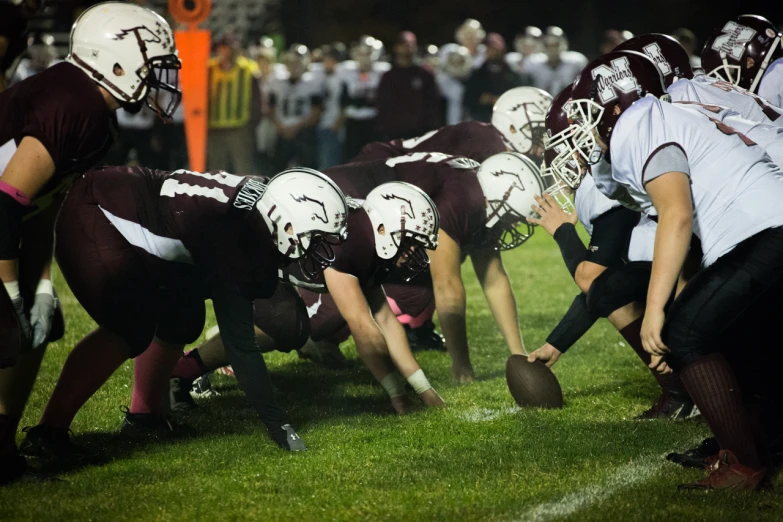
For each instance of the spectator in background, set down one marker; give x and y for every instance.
(688, 41)
(41, 54)
(234, 108)
(489, 81)
(295, 107)
(611, 39)
(329, 129)
(359, 95)
(457, 65)
(528, 48)
(470, 35)
(430, 59)
(13, 35)
(265, 56)
(561, 66)
(408, 98)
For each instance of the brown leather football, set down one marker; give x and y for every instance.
(532, 384)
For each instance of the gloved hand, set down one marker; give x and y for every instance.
(287, 438)
(41, 316)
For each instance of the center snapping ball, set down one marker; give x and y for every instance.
(532, 384)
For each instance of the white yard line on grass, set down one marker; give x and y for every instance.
(487, 414)
(631, 474)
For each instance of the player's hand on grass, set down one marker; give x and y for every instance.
(658, 363)
(462, 374)
(431, 398)
(287, 438)
(552, 216)
(402, 404)
(651, 332)
(547, 354)
(41, 318)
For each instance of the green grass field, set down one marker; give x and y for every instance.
(480, 458)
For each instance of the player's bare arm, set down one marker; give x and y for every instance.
(497, 288)
(671, 196)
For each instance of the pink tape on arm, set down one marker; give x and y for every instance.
(18, 195)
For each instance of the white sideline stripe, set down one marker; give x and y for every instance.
(631, 474)
(164, 248)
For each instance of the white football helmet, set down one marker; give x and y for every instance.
(519, 116)
(297, 59)
(114, 35)
(405, 221)
(470, 33)
(306, 213)
(510, 181)
(456, 60)
(366, 51)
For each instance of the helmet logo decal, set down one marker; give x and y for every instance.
(301, 198)
(389, 197)
(733, 39)
(143, 32)
(655, 54)
(610, 80)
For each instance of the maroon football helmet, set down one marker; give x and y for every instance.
(667, 53)
(617, 79)
(741, 51)
(560, 153)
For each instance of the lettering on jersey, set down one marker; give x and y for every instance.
(249, 194)
(302, 198)
(654, 52)
(733, 39)
(610, 80)
(463, 163)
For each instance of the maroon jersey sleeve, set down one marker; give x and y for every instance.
(358, 179)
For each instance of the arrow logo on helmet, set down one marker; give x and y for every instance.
(303, 198)
(389, 197)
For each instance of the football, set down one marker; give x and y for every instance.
(532, 384)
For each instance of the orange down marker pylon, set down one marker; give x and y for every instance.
(193, 45)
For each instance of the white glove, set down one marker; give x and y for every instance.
(42, 313)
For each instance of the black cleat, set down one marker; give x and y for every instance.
(697, 457)
(12, 468)
(151, 425)
(425, 337)
(671, 406)
(53, 446)
(287, 438)
(179, 394)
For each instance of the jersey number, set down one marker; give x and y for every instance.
(293, 107)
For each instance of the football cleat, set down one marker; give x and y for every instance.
(53, 445)
(425, 337)
(671, 406)
(728, 473)
(202, 388)
(287, 438)
(700, 457)
(12, 468)
(152, 425)
(179, 394)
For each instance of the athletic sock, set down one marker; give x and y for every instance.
(715, 390)
(190, 366)
(669, 382)
(8, 427)
(151, 375)
(87, 368)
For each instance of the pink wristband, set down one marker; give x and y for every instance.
(18, 195)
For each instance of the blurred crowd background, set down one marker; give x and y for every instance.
(310, 82)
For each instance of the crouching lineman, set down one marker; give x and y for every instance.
(54, 126)
(696, 176)
(388, 232)
(479, 216)
(143, 249)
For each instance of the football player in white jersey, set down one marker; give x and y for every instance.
(697, 177)
(612, 273)
(747, 52)
(296, 103)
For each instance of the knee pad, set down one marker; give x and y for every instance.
(619, 286)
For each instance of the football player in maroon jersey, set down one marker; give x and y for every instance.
(143, 249)
(54, 126)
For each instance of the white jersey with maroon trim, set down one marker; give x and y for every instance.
(709, 91)
(736, 188)
(771, 85)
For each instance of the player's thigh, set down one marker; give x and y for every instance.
(326, 322)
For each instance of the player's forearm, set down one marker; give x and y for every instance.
(372, 348)
(9, 270)
(397, 342)
(671, 247)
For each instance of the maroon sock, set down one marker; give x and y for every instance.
(87, 368)
(190, 366)
(668, 382)
(8, 427)
(715, 390)
(151, 374)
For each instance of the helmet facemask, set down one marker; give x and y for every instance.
(162, 79)
(586, 116)
(504, 222)
(412, 251)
